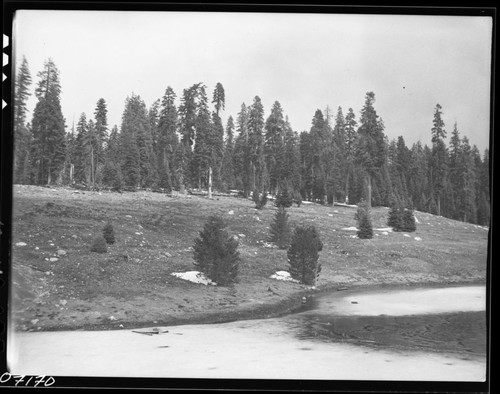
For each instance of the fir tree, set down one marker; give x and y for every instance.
(216, 152)
(260, 200)
(49, 138)
(167, 140)
(101, 129)
(202, 158)
(219, 98)
(363, 217)
(320, 150)
(256, 144)
(215, 252)
(136, 147)
(228, 160)
(303, 255)
(280, 232)
(274, 146)
(350, 143)
(439, 164)
(291, 168)
(242, 154)
(284, 198)
(394, 218)
(370, 151)
(408, 221)
(22, 134)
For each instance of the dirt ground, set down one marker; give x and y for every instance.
(58, 283)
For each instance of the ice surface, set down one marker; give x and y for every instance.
(408, 302)
(266, 348)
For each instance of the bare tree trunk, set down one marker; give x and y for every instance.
(210, 182)
(369, 191)
(346, 199)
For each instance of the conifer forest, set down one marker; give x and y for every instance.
(180, 143)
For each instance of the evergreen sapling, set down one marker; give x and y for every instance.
(303, 255)
(408, 221)
(280, 229)
(216, 252)
(364, 221)
(284, 198)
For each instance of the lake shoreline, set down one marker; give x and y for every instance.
(287, 305)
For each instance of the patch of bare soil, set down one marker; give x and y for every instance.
(58, 283)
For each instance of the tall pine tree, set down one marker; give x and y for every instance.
(48, 152)
(439, 164)
(371, 146)
(22, 134)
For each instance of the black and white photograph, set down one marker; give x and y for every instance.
(250, 195)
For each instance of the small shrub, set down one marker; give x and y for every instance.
(99, 245)
(284, 199)
(260, 201)
(215, 252)
(303, 255)
(365, 229)
(280, 229)
(108, 232)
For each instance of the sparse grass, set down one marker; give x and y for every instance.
(156, 233)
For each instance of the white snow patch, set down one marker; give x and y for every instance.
(385, 233)
(283, 275)
(353, 236)
(418, 239)
(386, 229)
(341, 204)
(21, 244)
(241, 235)
(231, 212)
(416, 220)
(406, 235)
(194, 276)
(266, 244)
(350, 229)
(306, 202)
(330, 214)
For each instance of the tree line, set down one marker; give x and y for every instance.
(340, 159)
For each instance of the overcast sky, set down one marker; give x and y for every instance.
(304, 61)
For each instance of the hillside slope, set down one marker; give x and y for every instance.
(58, 283)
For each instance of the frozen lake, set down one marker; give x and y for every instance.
(425, 334)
